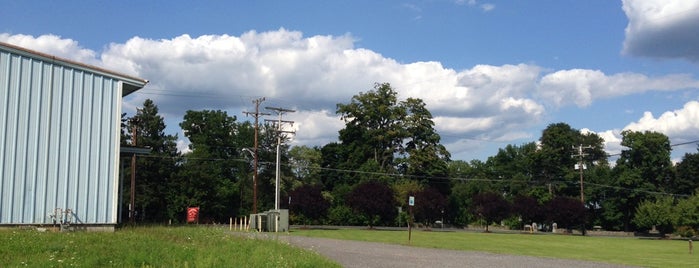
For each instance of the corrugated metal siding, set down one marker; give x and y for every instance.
(58, 142)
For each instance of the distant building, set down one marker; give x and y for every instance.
(59, 139)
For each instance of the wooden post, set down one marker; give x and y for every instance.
(411, 203)
(691, 247)
(410, 224)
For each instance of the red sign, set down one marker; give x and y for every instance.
(192, 214)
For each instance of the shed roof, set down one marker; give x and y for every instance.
(131, 83)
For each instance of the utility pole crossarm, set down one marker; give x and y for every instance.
(280, 110)
(283, 121)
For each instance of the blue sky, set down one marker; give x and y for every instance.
(492, 72)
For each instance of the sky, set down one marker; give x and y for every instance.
(492, 73)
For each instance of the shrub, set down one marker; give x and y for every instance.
(685, 231)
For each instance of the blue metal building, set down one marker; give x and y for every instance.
(59, 139)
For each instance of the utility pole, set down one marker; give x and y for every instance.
(134, 141)
(280, 112)
(257, 115)
(581, 166)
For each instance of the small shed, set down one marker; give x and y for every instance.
(60, 124)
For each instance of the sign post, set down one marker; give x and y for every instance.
(411, 203)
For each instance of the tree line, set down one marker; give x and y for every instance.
(389, 150)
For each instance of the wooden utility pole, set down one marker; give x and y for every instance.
(280, 112)
(134, 140)
(581, 166)
(257, 115)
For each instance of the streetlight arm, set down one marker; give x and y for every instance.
(252, 154)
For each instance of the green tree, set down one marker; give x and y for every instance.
(154, 171)
(333, 161)
(641, 170)
(597, 179)
(267, 153)
(553, 163)
(373, 128)
(649, 153)
(125, 130)
(426, 157)
(687, 179)
(244, 138)
(470, 178)
(655, 214)
(396, 136)
(512, 167)
(208, 174)
(403, 189)
(687, 214)
(305, 164)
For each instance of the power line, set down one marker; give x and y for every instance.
(436, 179)
(671, 145)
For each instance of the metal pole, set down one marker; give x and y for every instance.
(276, 182)
(254, 174)
(279, 111)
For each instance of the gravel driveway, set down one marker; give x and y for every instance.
(369, 254)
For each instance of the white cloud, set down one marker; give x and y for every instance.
(612, 140)
(581, 87)
(662, 29)
(319, 127)
(183, 146)
(485, 7)
(681, 125)
(313, 74)
(53, 45)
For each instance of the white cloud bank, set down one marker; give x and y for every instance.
(313, 74)
(662, 28)
(681, 126)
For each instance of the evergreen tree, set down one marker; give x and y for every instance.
(155, 170)
(209, 173)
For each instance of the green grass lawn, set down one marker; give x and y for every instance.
(629, 251)
(149, 247)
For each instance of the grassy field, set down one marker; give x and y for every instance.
(629, 251)
(149, 247)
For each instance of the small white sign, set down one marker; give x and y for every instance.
(411, 201)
